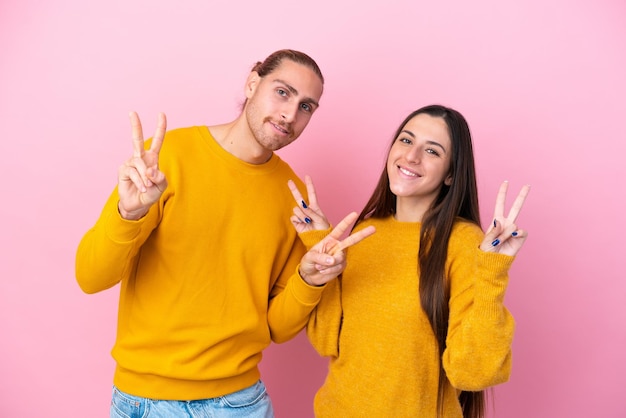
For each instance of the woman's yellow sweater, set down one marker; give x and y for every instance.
(384, 359)
(208, 276)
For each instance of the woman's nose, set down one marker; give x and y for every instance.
(413, 155)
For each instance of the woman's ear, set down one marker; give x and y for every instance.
(251, 83)
(448, 180)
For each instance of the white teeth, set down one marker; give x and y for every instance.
(408, 173)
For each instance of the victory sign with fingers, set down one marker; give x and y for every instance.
(307, 217)
(326, 260)
(140, 183)
(503, 236)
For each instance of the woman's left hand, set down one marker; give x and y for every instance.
(503, 236)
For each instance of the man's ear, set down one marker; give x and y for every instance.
(252, 83)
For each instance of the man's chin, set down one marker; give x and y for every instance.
(275, 145)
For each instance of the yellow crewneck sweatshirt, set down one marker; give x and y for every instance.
(384, 359)
(208, 276)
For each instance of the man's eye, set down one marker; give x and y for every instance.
(306, 107)
(281, 92)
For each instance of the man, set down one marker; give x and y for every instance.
(198, 233)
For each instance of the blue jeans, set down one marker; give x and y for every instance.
(253, 402)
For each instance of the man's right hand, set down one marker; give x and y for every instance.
(140, 183)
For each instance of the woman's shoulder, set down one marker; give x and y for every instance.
(464, 232)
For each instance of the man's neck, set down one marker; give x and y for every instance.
(235, 137)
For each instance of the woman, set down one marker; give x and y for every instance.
(416, 326)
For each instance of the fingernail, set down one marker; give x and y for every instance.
(495, 242)
(307, 220)
(304, 205)
(494, 223)
(514, 234)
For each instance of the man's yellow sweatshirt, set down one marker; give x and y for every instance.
(208, 277)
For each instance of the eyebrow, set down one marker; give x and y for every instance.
(430, 142)
(295, 92)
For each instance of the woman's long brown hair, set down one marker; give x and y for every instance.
(460, 199)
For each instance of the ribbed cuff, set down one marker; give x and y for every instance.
(305, 293)
(491, 283)
(121, 230)
(310, 238)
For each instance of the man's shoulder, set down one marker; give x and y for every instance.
(185, 132)
(184, 137)
(284, 166)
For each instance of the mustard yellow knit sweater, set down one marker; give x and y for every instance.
(384, 359)
(208, 277)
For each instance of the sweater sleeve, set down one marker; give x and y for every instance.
(311, 238)
(108, 252)
(325, 321)
(480, 328)
(291, 299)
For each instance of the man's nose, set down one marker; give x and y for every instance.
(289, 112)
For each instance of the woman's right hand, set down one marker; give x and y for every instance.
(307, 217)
(140, 183)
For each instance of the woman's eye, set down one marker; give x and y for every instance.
(281, 92)
(432, 151)
(405, 140)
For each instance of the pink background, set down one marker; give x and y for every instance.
(542, 83)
